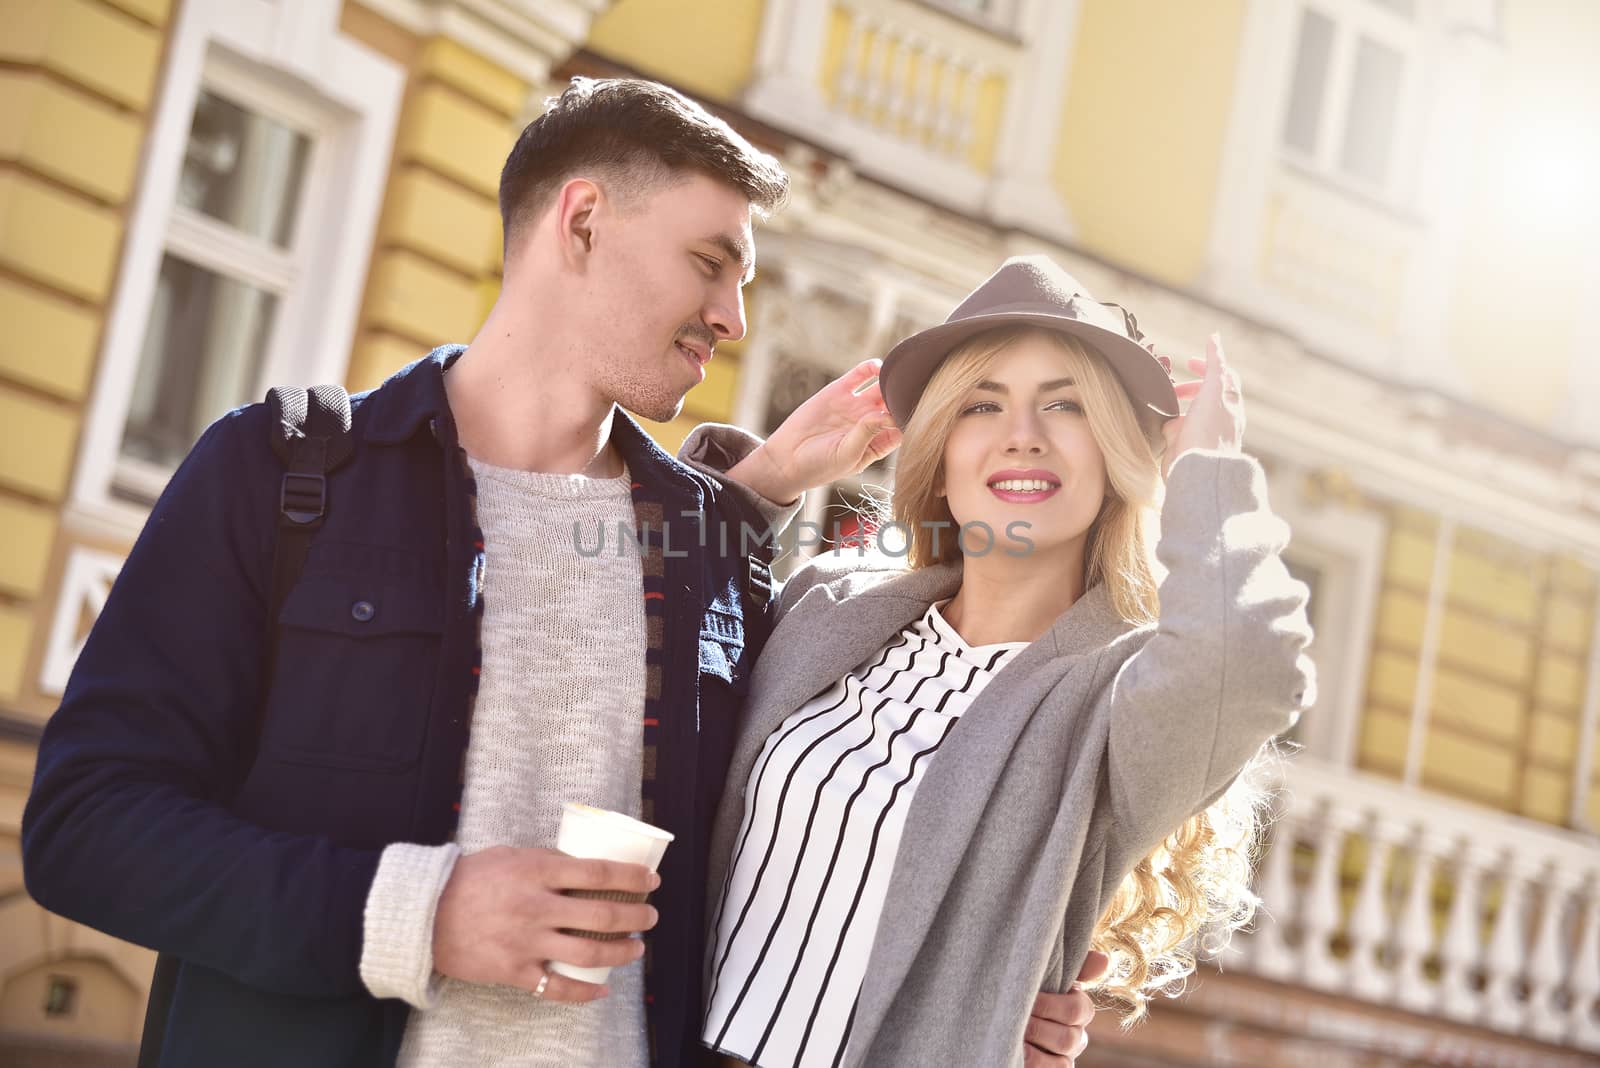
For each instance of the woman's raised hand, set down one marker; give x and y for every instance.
(1215, 416)
(838, 431)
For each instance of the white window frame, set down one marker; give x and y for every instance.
(1346, 546)
(289, 62)
(1353, 20)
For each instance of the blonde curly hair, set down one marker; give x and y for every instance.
(1193, 890)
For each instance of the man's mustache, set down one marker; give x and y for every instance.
(701, 333)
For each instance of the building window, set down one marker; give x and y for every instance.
(229, 261)
(61, 997)
(245, 253)
(1348, 90)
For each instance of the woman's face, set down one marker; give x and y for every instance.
(1020, 452)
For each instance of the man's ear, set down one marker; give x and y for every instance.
(575, 216)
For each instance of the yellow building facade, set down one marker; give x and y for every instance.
(202, 198)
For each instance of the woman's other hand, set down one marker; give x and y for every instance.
(1058, 1030)
(1215, 417)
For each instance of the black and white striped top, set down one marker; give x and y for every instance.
(824, 808)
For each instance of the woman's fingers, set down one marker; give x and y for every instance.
(860, 374)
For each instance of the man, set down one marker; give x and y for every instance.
(453, 666)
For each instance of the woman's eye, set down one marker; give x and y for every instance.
(1064, 406)
(981, 406)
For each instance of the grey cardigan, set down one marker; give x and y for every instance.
(1086, 751)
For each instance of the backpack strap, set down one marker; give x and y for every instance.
(311, 436)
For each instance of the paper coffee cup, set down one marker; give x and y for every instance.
(600, 834)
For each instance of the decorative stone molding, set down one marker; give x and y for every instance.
(527, 37)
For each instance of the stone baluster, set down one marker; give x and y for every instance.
(1414, 934)
(881, 79)
(1320, 918)
(1508, 951)
(960, 73)
(1370, 921)
(1461, 948)
(926, 111)
(852, 69)
(1547, 964)
(903, 98)
(1583, 987)
(967, 112)
(1268, 952)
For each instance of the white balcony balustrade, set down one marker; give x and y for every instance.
(1409, 899)
(962, 111)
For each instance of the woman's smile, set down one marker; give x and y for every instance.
(1024, 487)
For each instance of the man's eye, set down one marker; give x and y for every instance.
(714, 265)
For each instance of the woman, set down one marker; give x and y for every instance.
(963, 768)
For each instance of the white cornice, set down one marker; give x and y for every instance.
(526, 37)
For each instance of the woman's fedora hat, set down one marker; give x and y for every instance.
(1034, 291)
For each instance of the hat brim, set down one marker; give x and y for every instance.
(910, 364)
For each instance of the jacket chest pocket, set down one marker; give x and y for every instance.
(357, 660)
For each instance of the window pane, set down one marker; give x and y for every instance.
(243, 169)
(1369, 126)
(1310, 81)
(201, 356)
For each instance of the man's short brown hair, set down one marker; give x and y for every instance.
(633, 136)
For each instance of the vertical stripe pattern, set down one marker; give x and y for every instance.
(469, 483)
(824, 807)
(650, 521)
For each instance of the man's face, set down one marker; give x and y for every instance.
(665, 284)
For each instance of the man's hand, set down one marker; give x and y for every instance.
(500, 918)
(1058, 1029)
(839, 431)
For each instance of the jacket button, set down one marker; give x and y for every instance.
(362, 611)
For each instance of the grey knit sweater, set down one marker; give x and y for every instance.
(556, 719)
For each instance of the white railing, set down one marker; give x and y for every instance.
(907, 85)
(903, 91)
(1457, 911)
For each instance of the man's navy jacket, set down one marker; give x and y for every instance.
(138, 826)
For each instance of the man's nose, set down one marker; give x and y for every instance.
(725, 316)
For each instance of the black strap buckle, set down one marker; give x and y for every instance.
(758, 581)
(304, 499)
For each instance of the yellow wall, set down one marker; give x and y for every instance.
(1527, 263)
(76, 87)
(1142, 133)
(706, 48)
(436, 257)
(75, 91)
